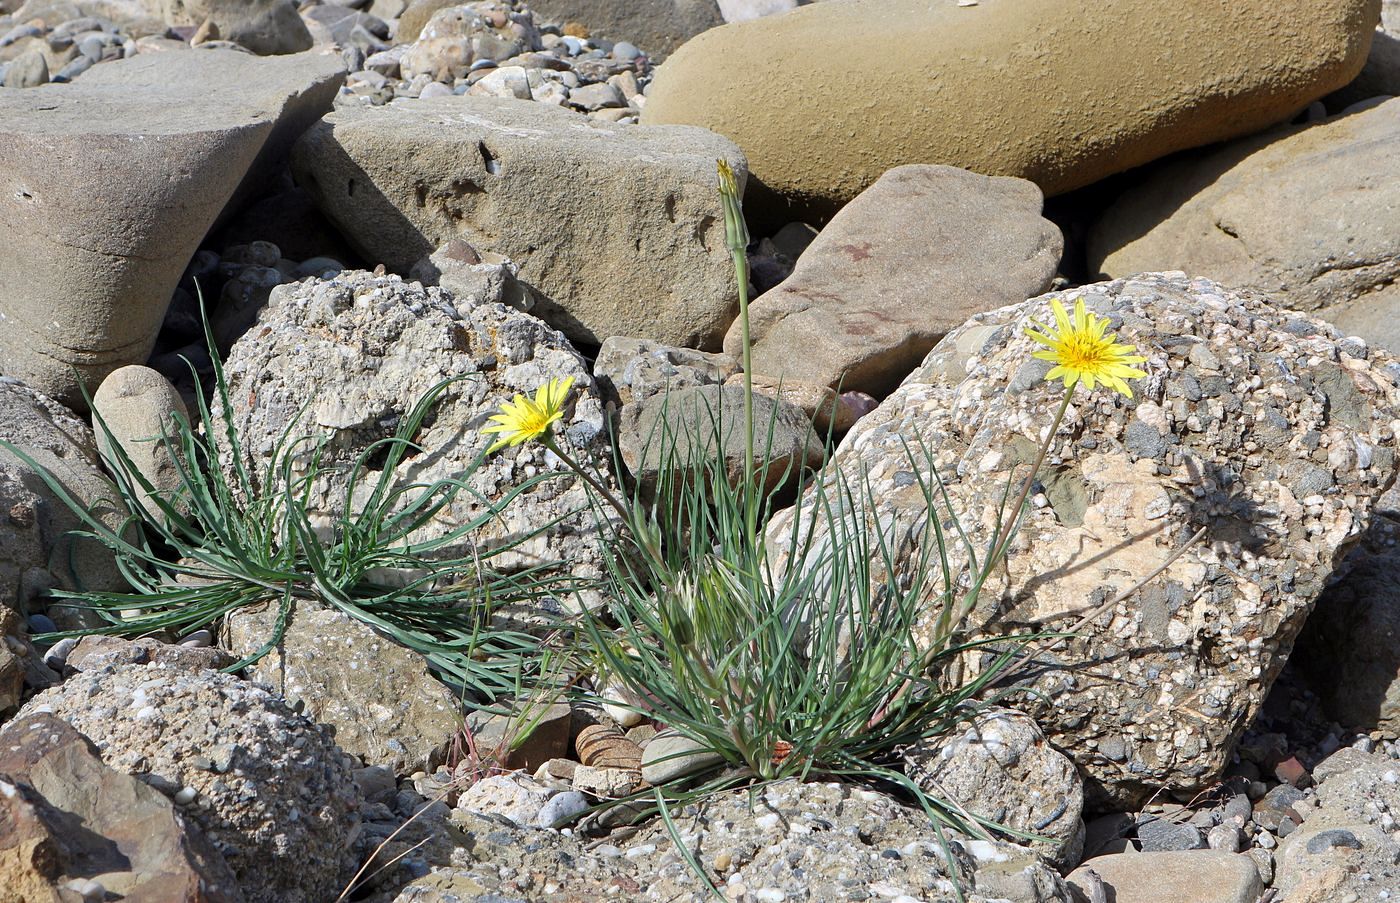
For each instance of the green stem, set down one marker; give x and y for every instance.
(588, 478)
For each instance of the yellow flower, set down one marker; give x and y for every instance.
(1081, 350)
(524, 419)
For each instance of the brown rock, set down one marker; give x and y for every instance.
(918, 253)
(51, 781)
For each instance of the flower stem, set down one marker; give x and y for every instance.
(549, 443)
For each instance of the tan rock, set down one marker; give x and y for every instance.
(915, 255)
(1309, 215)
(384, 705)
(137, 408)
(616, 228)
(1195, 876)
(999, 87)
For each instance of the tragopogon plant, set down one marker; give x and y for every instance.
(222, 539)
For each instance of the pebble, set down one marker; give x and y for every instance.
(1329, 840)
(561, 807)
(626, 51)
(185, 796)
(41, 624)
(1226, 838)
(1158, 835)
(200, 639)
(58, 653)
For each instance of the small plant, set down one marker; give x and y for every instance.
(795, 656)
(222, 540)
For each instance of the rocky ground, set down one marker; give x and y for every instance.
(368, 197)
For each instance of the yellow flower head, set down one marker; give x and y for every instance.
(524, 419)
(1080, 349)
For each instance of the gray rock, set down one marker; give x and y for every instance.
(347, 357)
(561, 807)
(29, 70)
(679, 430)
(1305, 214)
(1347, 848)
(1000, 767)
(263, 26)
(891, 274)
(517, 797)
(1202, 876)
(670, 755)
(1349, 645)
(36, 550)
(53, 780)
(137, 408)
(596, 97)
(508, 177)
(154, 147)
(384, 705)
(657, 26)
(1161, 835)
(632, 369)
(1162, 663)
(170, 726)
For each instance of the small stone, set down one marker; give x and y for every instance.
(30, 70)
(1291, 771)
(671, 755)
(1226, 838)
(1323, 841)
(185, 796)
(1275, 806)
(561, 807)
(625, 51)
(1158, 835)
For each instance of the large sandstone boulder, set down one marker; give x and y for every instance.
(266, 786)
(1266, 429)
(152, 149)
(345, 359)
(131, 836)
(1310, 215)
(915, 255)
(616, 227)
(1381, 74)
(999, 87)
(384, 705)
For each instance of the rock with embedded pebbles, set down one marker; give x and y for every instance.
(1000, 88)
(785, 841)
(153, 149)
(347, 358)
(268, 788)
(384, 705)
(915, 255)
(1266, 429)
(1000, 767)
(573, 203)
(1346, 849)
(1310, 215)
